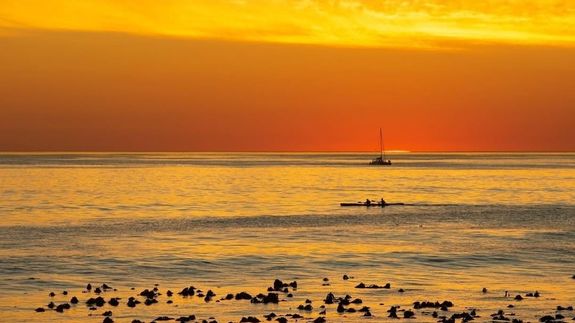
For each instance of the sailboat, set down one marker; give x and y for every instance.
(381, 161)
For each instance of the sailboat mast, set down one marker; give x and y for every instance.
(380, 144)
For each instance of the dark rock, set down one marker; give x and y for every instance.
(547, 318)
(447, 304)
(499, 316)
(271, 298)
(249, 319)
(243, 295)
(105, 286)
(364, 309)
(345, 277)
(308, 301)
(325, 279)
(107, 313)
(52, 294)
(329, 299)
(401, 290)
(281, 320)
(293, 284)
(97, 290)
(289, 295)
(186, 318)
(297, 316)
(164, 318)
(344, 301)
(270, 316)
(307, 307)
(148, 293)
(40, 310)
(188, 291)
(132, 302)
(98, 301)
(169, 301)
(74, 300)
(65, 292)
(150, 301)
(484, 290)
(51, 305)
(278, 285)
(60, 308)
(392, 312)
(169, 293)
(351, 310)
(426, 304)
(108, 320)
(367, 314)
(320, 319)
(408, 314)
(357, 301)
(137, 321)
(466, 317)
(362, 285)
(518, 297)
(340, 308)
(113, 302)
(89, 287)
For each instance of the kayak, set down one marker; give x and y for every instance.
(372, 204)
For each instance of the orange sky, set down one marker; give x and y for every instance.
(286, 75)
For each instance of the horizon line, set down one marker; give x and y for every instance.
(395, 151)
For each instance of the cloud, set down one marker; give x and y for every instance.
(382, 23)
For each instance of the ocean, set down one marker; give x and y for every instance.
(233, 222)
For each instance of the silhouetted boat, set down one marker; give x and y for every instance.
(370, 205)
(380, 161)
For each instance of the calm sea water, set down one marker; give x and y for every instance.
(234, 222)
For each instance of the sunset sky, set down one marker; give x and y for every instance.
(300, 75)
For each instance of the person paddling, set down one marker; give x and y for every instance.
(367, 202)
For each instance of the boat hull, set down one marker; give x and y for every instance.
(370, 205)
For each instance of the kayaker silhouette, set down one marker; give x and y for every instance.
(382, 202)
(367, 202)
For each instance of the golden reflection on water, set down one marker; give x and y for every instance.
(236, 228)
(73, 195)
